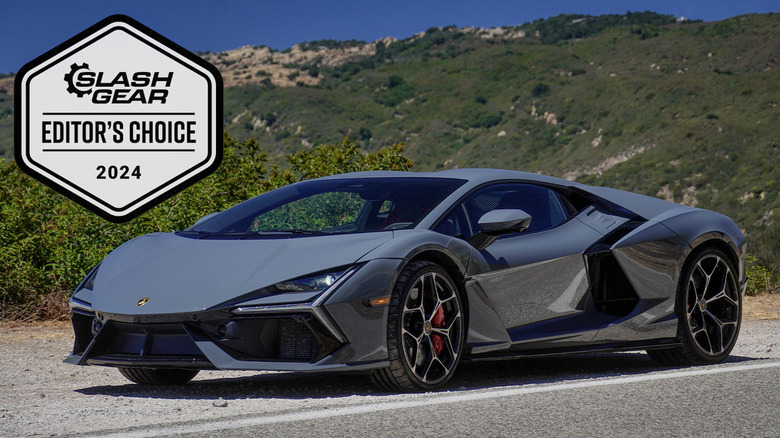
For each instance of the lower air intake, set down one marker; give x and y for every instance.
(296, 341)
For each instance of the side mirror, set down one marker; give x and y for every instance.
(497, 222)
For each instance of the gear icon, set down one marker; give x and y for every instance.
(69, 79)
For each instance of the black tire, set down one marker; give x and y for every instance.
(709, 311)
(165, 376)
(425, 330)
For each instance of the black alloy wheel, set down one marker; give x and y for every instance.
(709, 311)
(425, 330)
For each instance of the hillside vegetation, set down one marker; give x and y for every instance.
(685, 111)
(682, 111)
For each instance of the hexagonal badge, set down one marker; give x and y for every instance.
(118, 118)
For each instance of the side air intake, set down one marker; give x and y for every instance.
(612, 292)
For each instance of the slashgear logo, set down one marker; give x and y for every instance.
(81, 80)
(118, 118)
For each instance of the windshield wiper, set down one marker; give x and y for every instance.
(284, 231)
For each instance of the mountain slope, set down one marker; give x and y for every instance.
(686, 112)
(683, 111)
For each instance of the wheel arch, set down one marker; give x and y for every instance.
(703, 227)
(451, 264)
(720, 241)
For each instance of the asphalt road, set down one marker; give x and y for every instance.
(735, 399)
(621, 394)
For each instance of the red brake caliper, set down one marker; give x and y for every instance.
(437, 321)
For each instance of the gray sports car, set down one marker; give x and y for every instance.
(405, 274)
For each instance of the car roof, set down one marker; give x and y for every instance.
(475, 176)
(645, 206)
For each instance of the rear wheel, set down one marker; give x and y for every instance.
(425, 330)
(709, 312)
(150, 376)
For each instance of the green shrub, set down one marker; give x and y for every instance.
(394, 81)
(760, 279)
(487, 120)
(564, 27)
(398, 91)
(540, 89)
(48, 243)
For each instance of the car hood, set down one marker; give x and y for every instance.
(181, 274)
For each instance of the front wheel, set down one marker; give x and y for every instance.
(709, 312)
(150, 376)
(425, 330)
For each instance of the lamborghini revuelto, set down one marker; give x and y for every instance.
(405, 274)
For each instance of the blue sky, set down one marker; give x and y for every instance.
(28, 28)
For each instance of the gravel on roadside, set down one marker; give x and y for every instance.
(41, 395)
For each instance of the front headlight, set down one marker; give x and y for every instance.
(89, 281)
(81, 300)
(317, 282)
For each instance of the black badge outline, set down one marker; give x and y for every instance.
(168, 188)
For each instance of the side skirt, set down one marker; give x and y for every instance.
(604, 348)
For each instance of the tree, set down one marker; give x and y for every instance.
(48, 243)
(341, 157)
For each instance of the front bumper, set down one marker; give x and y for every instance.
(329, 332)
(213, 340)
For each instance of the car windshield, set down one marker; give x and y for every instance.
(334, 206)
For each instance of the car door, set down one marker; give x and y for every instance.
(535, 281)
